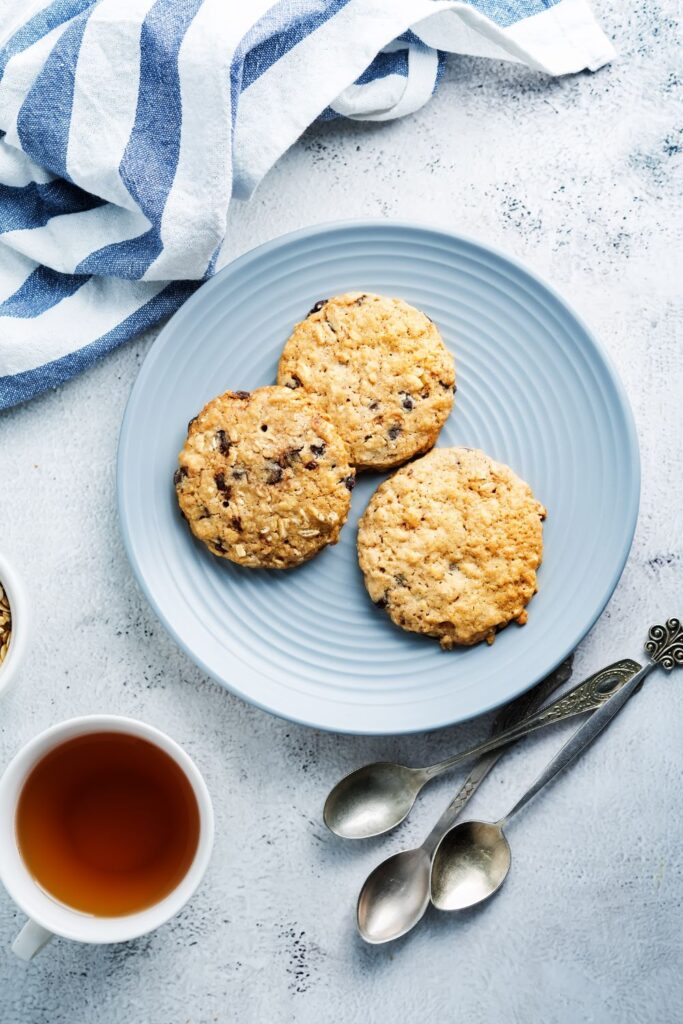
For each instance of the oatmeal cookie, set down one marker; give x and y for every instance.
(264, 478)
(381, 370)
(450, 546)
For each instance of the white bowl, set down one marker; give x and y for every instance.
(14, 588)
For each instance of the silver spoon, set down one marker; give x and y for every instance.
(473, 858)
(396, 894)
(374, 799)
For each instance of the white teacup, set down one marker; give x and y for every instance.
(48, 917)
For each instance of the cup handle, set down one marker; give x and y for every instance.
(30, 940)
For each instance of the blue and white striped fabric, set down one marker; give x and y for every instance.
(127, 126)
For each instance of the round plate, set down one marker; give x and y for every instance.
(535, 390)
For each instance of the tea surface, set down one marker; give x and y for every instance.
(107, 823)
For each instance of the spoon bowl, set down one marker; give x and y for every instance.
(379, 796)
(470, 863)
(473, 859)
(372, 800)
(394, 897)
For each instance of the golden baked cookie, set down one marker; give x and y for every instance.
(450, 546)
(381, 370)
(264, 478)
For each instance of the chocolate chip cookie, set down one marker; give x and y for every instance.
(381, 370)
(264, 478)
(450, 545)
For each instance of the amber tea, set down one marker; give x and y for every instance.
(107, 823)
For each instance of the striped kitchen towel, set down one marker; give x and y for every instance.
(127, 126)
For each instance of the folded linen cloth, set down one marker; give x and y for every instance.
(127, 126)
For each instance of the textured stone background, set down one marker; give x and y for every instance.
(577, 178)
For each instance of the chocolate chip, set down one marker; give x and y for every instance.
(242, 394)
(318, 450)
(223, 441)
(383, 601)
(373, 406)
(407, 401)
(218, 544)
(393, 433)
(179, 474)
(293, 382)
(367, 437)
(193, 420)
(226, 504)
(238, 472)
(289, 457)
(361, 300)
(264, 427)
(318, 306)
(349, 482)
(312, 464)
(205, 513)
(274, 474)
(447, 387)
(221, 484)
(237, 523)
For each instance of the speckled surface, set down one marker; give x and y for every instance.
(577, 178)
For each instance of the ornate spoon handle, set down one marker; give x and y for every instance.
(510, 715)
(581, 739)
(665, 647)
(588, 695)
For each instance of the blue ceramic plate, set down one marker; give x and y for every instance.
(535, 390)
